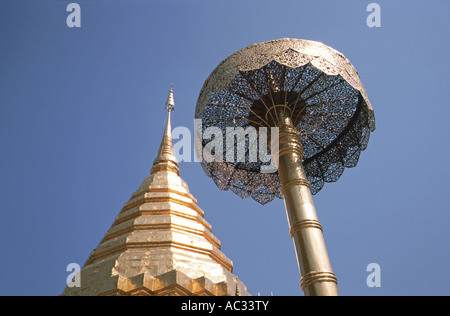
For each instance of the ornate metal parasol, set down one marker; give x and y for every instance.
(315, 98)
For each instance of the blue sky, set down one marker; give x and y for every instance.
(82, 115)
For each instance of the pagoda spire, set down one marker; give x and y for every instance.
(159, 243)
(166, 160)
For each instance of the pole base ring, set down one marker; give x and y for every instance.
(306, 223)
(314, 277)
(293, 182)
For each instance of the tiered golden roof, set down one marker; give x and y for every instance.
(160, 243)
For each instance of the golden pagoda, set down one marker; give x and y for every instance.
(159, 244)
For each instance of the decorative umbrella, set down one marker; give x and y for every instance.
(314, 98)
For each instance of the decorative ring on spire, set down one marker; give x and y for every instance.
(170, 104)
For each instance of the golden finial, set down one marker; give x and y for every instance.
(170, 104)
(166, 160)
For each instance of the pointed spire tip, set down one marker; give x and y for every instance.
(166, 159)
(170, 104)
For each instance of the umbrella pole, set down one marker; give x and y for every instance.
(317, 277)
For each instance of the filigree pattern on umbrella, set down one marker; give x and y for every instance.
(328, 104)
